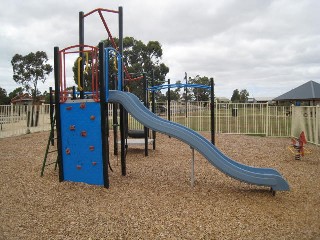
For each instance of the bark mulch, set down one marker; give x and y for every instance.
(155, 199)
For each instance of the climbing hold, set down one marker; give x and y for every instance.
(79, 167)
(83, 134)
(72, 127)
(68, 151)
(69, 107)
(91, 148)
(94, 163)
(92, 117)
(82, 105)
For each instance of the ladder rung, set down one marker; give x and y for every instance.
(50, 163)
(53, 151)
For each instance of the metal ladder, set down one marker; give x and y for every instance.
(48, 151)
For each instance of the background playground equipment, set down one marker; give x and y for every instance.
(297, 148)
(140, 135)
(168, 86)
(83, 129)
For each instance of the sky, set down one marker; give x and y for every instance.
(266, 47)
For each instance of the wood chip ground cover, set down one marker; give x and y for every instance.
(155, 199)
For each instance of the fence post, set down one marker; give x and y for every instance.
(317, 117)
(267, 119)
(293, 112)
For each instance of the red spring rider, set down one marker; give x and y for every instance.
(298, 145)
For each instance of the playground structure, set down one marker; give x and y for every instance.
(83, 130)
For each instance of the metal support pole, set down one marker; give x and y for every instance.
(154, 111)
(169, 101)
(81, 42)
(213, 140)
(52, 118)
(57, 109)
(104, 115)
(186, 96)
(115, 122)
(145, 129)
(122, 111)
(192, 168)
(122, 140)
(120, 15)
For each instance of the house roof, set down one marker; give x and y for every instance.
(21, 98)
(263, 99)
(307, 91)
(223, 99)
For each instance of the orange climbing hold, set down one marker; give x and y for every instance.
(68, 151)
(82, 105)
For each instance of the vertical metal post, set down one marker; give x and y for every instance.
(153, 110)
(317, 126)
(120, 15)
(122, 112)
(145, 100)
(115, 128)
(81, 42)
(73, 92)
(51, 116)
(267, 119)
(104, 115)
(192, 168)
(57, 108)
(115, 119)
(186, 96)
(169, 101)
(213, 140)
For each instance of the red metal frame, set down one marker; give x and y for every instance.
(114, 45)
(93, 51)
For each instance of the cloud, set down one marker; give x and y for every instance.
(266, 47)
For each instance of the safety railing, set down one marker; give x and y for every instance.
(232, 118)
(18, 120)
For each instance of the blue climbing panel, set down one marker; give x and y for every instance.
(81, 142)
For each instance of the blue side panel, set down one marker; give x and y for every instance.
(81, 142)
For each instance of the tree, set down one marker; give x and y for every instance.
(138, 58)
(160, 97)
(30, 69)
(241, 96)
(18, 91)
(200, 94)
(4, 99)
(235, 96)
(244, 94)
(174, 95)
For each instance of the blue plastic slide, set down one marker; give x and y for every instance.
(252, 175)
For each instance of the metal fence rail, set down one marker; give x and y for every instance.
(233, 118)
(18, 120)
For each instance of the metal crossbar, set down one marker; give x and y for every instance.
(230, 118)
